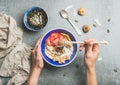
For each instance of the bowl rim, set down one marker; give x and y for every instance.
(46, 59)
(27, 26)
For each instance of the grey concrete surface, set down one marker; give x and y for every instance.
(108, 64)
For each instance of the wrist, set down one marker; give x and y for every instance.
(90, 69)
(90, 66)
(36, 70)
(34, 76)
(91, 76)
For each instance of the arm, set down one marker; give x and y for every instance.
(37, 65)
(34, 76)
(90, 57)
(91, 77)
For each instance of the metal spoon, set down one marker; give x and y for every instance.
(64, 14)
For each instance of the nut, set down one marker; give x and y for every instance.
(86, 28)
(81, 11)
(108, 31)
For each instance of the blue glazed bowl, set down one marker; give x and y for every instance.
(25, 19)
(55, 63)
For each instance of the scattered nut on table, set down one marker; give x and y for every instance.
(86, 28)
(109, 20)
(81, 11)
(108, 31)
(76, 21)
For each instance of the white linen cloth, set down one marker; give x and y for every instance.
(14, 54)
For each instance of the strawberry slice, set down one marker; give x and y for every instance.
(54, 39)
(55, 34)
(48, 41)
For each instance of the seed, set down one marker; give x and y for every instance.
(108, 31)
(109, 20)
(94, 25)
(76, 21)
(115, 70)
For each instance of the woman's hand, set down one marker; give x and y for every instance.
(37, 61)
(91, 52)
(37, 65)
(90, 57)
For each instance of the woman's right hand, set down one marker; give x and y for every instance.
(91, 52)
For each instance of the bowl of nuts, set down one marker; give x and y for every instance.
(35, 19)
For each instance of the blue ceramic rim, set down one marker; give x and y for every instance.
(25, 19)
(73, 56)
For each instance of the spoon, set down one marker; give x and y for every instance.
(64, 14)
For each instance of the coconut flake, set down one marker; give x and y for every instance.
(97, 22)
(100, 58)
(70, 6)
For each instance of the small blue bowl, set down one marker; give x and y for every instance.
(25, 19)
(47, 59)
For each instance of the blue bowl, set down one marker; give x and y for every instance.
(25, 20)
(55, 63)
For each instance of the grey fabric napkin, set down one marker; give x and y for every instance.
(14, 54)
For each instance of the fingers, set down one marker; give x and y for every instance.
(36, 49)
(96, 48)
(38, 43)
(81, 47)
(89, 45)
